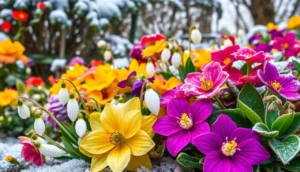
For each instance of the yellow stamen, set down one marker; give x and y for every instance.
(116, 138)
(249, 55)
(21, 16)
(8, 158)
(206, 85)
(226, 60)
(229, 147)
(185, 121)
(276, 85)
(285, 45)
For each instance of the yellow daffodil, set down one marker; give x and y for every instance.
(272, 26)
(155, 48)
(162, 86)
(7, 97)
(118, 139)
(294, 22)
(12, 51)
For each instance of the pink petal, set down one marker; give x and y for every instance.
(223, 126)
(216, 162)
(166, 126)
(208, 142)
(177, 107)
(199, 128)
(240, 164)
(200, 110)
(176, 142)
(241, 134)
(193, 78)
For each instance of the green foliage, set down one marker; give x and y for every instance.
(189, 161)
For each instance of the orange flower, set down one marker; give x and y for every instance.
(294, 22)
(12, 51)
(151, 50)
(20, 15)
(95, 63)
(7, 97)
(34, 81)
(162, 86)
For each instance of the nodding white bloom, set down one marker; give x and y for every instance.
(165, 55)
(72, 108)
(38, 139)
(37, 97)
(196, 36)
(63, 94)
(107, 55)
(39, 125)
(150, 69)
(49, 150)
(176, 59)
(152, 101)
(101, 43)
(23, 110)
(80, 126)
(227, 43)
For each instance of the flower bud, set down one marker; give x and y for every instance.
(36, 138)
(107, 55)
(23, 110)
(49, 150)
(165, 55)
(196, 36)
(39, 125)
(37, 97)
(176, 59)
(80, 126)
(72, 108)
(63, 94)
(227, 43)
(101, 43)
(150, 69)
(152, 101)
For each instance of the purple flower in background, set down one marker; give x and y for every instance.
(265, 47)
(255, 39)
(59, 111)
(276, 33)
(285, 85)
(227, 97)
(128, 80)
(288, 44)
(229, 148)
(183, 123)
(136, 52)
(137, 87)
(30, 63)
(76, 60)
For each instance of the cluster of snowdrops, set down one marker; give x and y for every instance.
(230, 108)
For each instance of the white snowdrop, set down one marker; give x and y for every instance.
(196, 36)
(107, 55)
(152, 101)
(23, 110)
(150, 69)
(176, 59)
(227, 43)
(101, 43)
(63, 94)
(165, 55)
(49, 150)
(72, 108)
(39, 126)
(80, 126)
(36, 138)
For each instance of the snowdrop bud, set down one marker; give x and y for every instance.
(35, 138)
(241, 33)
(101, 43)
(23, 110)
(150, 69)
(196, 36)
(80, 126)
(72, 108)
(107, 55)
(152, 101)
(165, 55)
(37, 97)
(39, 125)
(28, 70)
(63, 94)
(176, 59)
(227, 43)
(49, 150)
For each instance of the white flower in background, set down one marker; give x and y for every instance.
(176, 59)
(49, 150)
(150, 69)
(165, 55)
(36, 97)
(39, 125)
(80, 126)
(101, 43)
(59, 63)
(107, 55)
(227, 43)
(63, 94)
(152, 101)
(72, 108)
(23, 110)
(196, 36)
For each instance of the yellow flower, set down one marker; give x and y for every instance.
(12, 51)
(7, 97)
(118, 139)
(272, 26)
(200, 57)
(162, 86)
(153, 49)
(105, 95)
(294, 22)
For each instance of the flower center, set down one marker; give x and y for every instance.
(229, 147)
(276, 85)
(249, 55)
(285, 45)
(116, 138)
(185, 122)
(226, 60)
(21, 16)
(206, 85)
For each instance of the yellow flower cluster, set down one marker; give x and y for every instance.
(12, 51)
(7, 97)
(294, 22)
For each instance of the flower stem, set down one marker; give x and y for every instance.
(142, 94)
(221, 105)
(54, 143)
(96, 103)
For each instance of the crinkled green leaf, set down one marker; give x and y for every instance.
(263, 130)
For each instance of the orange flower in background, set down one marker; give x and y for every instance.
(271, 26)
(34, 81)
(20, 15)
(95, 63)
(41, 5)
(12, 51)
(5, 26)
(162, 86)
(7, 97)
(151, 50)
(294, 22)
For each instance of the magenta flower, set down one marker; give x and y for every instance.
(229, 148)
(30, 153)
(128, 81)
(183, 123)
(265, 47)
(285, 85)
(76, 60)
(238, 78)
(174, 93)
(225, 57)
(251, 56)
(207, 83)
(288, 44)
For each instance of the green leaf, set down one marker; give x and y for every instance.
(297, 65)
(251, 104)
(293, 165)
(295, 125)
(166, 75)
(282, 123)
(20, 86)
(286, 149)
(263, 130)
(64, 158)
(189, 66)
(181, 73)
(235, 114)
(189, 161)
(271, 116)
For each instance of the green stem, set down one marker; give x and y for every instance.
(142, 93)
(54, 143)
(221, 105)
(96, 103)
